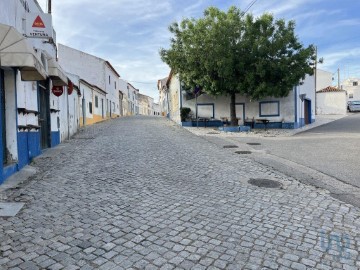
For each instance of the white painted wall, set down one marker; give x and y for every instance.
(123, 88)
(323, 79)
(55, 104)
(101, 102)
(133, 105)
(112, 90)
(10, 114)
(252, 108)
(150, 106)
(157, 109)
(88, 67)
(307, 88)
(87, 95)
(353, 90)
(69, 111)
(95, 71)
(174, 99)
(222, 108)
(331, 103)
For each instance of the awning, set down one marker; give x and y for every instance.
(17, 51)
(56, 73)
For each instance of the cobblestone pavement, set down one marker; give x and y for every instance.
(143, 193)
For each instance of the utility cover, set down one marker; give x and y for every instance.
(10, 209)
(266, 183)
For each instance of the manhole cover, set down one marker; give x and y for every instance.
(243, 152)
(253, 143)
(230, 146)
(266, 183)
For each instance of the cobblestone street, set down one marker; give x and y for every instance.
(143, 193)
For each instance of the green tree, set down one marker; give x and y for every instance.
(230, 53)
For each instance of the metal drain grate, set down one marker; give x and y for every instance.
(253, 143)
(230, 146)
(266, 183)
(243, 152)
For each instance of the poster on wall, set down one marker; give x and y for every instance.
(39, 25)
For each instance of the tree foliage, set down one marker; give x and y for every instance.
(229, 53)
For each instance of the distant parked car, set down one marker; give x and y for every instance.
(354, 106)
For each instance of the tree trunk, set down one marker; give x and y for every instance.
(233, 119)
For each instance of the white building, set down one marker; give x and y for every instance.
(123, 86)
(69, 106)
(157, 109)
(293, 111)
(132, 97)
(146, 105)
(28, 73)
(352, 87)
(163, 97)
(331, 100)
(95, 71)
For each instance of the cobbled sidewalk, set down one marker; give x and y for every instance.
(143, 193)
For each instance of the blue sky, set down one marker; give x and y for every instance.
(129, 33)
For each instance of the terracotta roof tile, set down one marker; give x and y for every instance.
(330, 89)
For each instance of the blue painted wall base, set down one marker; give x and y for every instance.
(28, 147)
(247, 126)
(8, 171)
(211, 123)
(55, 138)
(288, 125)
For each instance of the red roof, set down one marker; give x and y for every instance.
(330, 89)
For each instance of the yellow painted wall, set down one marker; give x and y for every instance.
(89, 121)
(98, 118)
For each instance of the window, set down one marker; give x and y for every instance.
(355, 83)
(269, 108)
(96, 102)
(113, 106)
(90, 107)
(109, 80)
(205, 110)
(115, 84)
